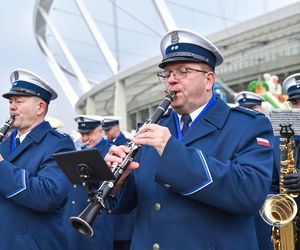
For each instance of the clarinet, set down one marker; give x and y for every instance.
(6, 127)
(83, 223)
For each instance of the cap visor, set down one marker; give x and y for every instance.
(295, 96)
(84, 130)
(106, 128)
(15, 93)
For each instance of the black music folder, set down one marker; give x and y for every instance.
(83, 165)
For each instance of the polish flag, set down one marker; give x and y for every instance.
(263, 142)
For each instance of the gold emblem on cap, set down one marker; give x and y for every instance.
(174, 37)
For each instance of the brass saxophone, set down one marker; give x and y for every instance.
(4, 130)
(280, 210)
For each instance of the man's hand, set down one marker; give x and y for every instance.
(1, 158)
(116, 154)
(292, 182)
(153, 135)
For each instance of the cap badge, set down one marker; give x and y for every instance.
(174, 37)
(16, 75)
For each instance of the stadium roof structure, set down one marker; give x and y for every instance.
(109, 84)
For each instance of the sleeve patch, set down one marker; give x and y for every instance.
(263, 142)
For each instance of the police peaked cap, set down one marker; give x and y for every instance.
(185, 45)
(291, 86)
(245, 98)
(26, 83)
(109, 123)
(87, 123)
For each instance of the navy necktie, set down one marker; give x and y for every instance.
(17, 141)
(186, 119)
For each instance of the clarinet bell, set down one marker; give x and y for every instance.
(84, 222)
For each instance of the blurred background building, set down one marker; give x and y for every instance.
(104, 54)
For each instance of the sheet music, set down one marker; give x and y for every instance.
(285, 117)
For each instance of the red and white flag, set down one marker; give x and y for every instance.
(263, 142)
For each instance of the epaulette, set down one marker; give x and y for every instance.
(60, 133)
(247, 111)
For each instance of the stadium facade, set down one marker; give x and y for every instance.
(269, 43)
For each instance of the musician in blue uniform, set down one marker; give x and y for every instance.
(113, 132)
(291, 87)
(123, 224)
(204, 171)
(33, 188)
(249, 100)
(91, 136)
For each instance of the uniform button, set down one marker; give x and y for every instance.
(157, 206)
(74, 186)
(167, 186)
(155, 246)
(73, 202)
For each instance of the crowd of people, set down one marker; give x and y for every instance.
(198, 180)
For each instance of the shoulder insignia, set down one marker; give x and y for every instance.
(247, 111)
(60, 133)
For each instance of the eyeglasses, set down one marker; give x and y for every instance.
(178, 74)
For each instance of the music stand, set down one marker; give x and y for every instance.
(84, 166)
(285, 117)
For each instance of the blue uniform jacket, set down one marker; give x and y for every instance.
(120, 140)
(205, 189)
(103, 225)
(33, 191)
(123, 224)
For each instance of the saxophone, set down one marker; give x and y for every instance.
(280, 210)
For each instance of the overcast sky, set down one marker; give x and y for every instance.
(19, 48)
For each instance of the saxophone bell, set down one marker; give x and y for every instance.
(278, 210)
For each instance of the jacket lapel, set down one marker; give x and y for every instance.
(170, 123)
(35, 135)
(6, 147)
(23, 146)
(211, 120)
